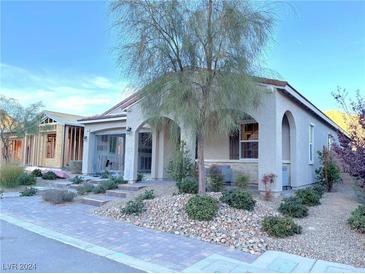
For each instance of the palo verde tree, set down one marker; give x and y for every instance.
(195, 60)
(16, 121)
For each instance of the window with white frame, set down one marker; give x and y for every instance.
(249, 140)
(311, 143)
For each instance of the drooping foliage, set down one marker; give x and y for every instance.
(195, 60)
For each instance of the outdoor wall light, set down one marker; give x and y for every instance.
(85, 138)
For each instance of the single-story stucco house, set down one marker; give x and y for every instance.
(282, 137)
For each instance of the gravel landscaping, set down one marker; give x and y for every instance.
(325, 235)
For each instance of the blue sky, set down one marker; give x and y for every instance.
(60, 52)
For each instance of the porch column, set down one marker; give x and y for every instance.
(88, 152)
(154, 154)
(161, 154)
(270, 153)
(130, 164)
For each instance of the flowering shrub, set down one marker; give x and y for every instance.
(267, 180)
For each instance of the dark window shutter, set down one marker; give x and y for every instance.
(234, 145)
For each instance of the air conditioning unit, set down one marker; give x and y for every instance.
(285, 177)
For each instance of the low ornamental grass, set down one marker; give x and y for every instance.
(9, 174)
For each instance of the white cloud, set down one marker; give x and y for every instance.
(76, 94)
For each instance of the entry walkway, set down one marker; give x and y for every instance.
(143, 248)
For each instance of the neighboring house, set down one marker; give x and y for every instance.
(282, 137)
(59, 140)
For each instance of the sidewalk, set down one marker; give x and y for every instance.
(143, 248)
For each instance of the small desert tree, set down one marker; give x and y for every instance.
(16, 120)
(351, 148)
(195, 60)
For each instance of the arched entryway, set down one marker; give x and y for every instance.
(157, 140)
(288, 150)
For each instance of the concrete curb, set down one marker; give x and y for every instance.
(88, 247)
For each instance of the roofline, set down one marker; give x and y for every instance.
(309, 105)
(130, 97)
(103, 119)
(57, 119)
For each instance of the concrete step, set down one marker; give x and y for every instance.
(131, 187)
(94, 201)
(41, 189)
(64, 184)
(116, 193)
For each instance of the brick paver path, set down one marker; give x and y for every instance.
(172, 251)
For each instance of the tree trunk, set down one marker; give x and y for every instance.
(201, 168)
(5, 150)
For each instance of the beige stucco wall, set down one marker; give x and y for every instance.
(217, 147)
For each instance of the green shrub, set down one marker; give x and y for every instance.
(308, 197)
(118, 180)
(181, 166)
(49, 175)
(109, 184)
(238, 199)
(85, 188)
(57, 196)
(37, 172)
(105, 174)
(357, 219)
(140, 177)
(202, 208)
(188, 186)
(147, 195)
(293, 207)
(328, 173)
(77, 180)
(26, 179)
(135, 207)
(280, 226)
(215, 179)
(28, 191)
(9, 174)
(98, 189)
(242, 181)
(320, 189)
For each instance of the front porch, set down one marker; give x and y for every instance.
(133, 146)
